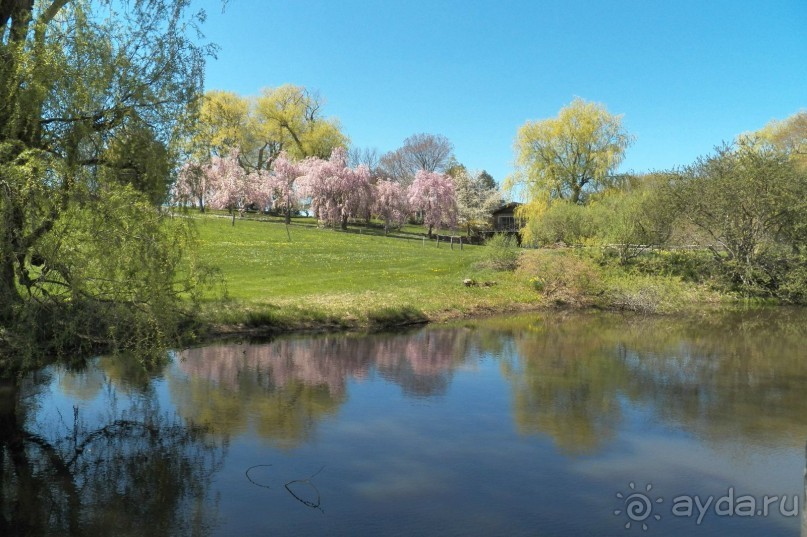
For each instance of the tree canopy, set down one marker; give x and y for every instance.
(788, 135)
(569, 155)
(287, 118)
(429, 152)
(94, 94)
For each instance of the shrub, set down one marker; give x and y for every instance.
(563, 277)
(501, 253)
(561, 222)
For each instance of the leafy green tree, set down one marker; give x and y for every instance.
(289, 118)
(92, 100)
(567, 156)
(223, 125)
(138, 158)
(788, 135)
(634, 217)
(749, 202)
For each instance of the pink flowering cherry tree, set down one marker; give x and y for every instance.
(192, 185)
(234, 189)
(285, 173)
(390, 204)
(433, 195)
(336, 191)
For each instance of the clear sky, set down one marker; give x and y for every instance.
(685, 75)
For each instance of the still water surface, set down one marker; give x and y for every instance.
(542, 424)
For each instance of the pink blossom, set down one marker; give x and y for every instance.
(285, 173)
(233, 188)
(337, 192)
(433, 195)
(391, 204)
(192, 185)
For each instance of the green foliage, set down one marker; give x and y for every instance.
(570, 155)
(632, 218)
(110, 275)
(788, 135)
(749, 204)
(287, 118)
(138, 158)
(579, 279)
(501, 252)
(694, 266)
(562, 221)
(93, 102)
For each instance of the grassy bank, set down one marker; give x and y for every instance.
(302, 277)
(309, 277)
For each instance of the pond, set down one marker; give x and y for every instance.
(542, 424)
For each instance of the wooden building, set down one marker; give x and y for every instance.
(504, 219)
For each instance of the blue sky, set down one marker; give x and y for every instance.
(685, 75)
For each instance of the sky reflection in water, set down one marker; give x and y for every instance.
(524, 425)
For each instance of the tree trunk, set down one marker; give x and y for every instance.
(430, 230)
(288, 212)
(9, 295)
(344, 223)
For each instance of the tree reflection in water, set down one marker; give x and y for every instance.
(570, 374)
(733, 378)
(133, 471)
(734, 375)
(283, 388)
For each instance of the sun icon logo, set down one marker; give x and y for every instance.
(638, 506)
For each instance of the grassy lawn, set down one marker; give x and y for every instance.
(358, 278)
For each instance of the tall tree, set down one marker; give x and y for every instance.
(289, 118)
(788, 135)
(224, 123)
(85, 92)
(390, 204)
(285, 173)
(476, 200)
(433, 194)
(234, 189)
(750, 203)
(430, 152)
(337, 191)
(566, 156)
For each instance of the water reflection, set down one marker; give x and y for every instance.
(282, 389)
(129, 469)
(410, 429)
(570, 375)
(737, 375)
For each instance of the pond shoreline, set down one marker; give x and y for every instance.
(224, 331)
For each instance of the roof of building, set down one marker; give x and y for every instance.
(507, 207)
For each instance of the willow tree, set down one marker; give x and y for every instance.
(788, 135)
(92, 93)
(569, 155)
(289, 118)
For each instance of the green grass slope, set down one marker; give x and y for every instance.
(328, 278)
